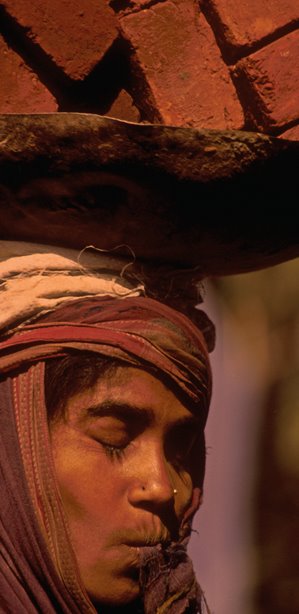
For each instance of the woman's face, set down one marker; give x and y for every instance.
(123, 462)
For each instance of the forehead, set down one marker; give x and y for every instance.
(135, 388)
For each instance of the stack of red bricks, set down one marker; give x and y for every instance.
(206, 63)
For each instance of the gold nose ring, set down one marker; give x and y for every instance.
(175, 492)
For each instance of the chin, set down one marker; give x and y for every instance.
(120, 592)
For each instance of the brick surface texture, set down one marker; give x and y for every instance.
(292, 134)
(132, 6)
(20, 89)
(202, 63)
(185, 85)
(124, 108)
(246, 23)
(75, 35)
(270, 80)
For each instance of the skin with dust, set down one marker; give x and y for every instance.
(122, 453)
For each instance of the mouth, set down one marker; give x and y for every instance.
(143, 538)
(150, 541)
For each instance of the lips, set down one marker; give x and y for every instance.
(154, 536)
(142, 544)
(149, 541)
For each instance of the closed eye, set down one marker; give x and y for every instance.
(114, 452)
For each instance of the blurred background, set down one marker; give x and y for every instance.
(245, 543)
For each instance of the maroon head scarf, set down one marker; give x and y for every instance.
(38, 566)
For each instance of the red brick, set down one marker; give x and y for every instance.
(124, 108)
(130, 6)
(292, 134)
(269, 82)
(20, 89)
(180, 77)
(243, 23)
(75, 35)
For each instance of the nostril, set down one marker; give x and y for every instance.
(152, 481)
(154, 490)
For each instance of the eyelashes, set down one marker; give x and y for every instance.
(117, 453)
(114, 452)
(178, 446)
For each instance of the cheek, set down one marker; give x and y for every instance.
(88, 484)
(183, 498)
(93, 506)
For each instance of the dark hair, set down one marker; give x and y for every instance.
(66, 376)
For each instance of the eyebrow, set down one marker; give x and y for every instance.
(129, 412)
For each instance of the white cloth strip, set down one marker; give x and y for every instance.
(46, 276)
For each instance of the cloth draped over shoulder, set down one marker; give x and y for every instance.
(51, 306)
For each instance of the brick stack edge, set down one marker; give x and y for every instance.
(206, 63)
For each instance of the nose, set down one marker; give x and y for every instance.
(151, 482)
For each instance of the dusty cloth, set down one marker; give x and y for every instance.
(31, 284)
(137, 330)
(29, 581)
(38, 566)
(168, 582)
